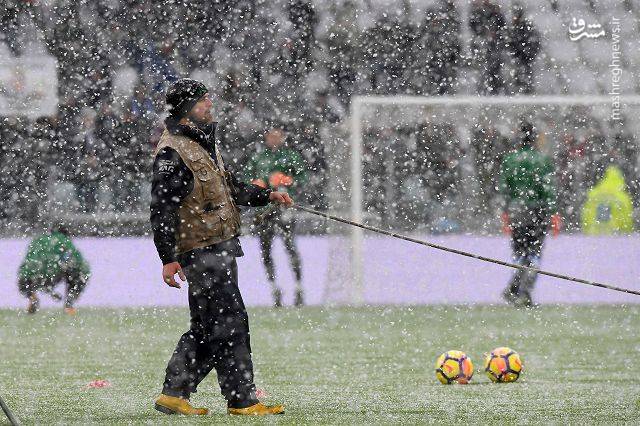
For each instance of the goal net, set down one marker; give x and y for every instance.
(430, 165)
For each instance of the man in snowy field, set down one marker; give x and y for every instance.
(52, 258)
(196, 224)
(280, 168)
(527, 183)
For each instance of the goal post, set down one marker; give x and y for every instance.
(373, 116)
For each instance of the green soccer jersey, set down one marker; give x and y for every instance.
(526, 179)
(49, 256)
(285, 160)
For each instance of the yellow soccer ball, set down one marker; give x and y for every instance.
(454, 367)
(503, 365)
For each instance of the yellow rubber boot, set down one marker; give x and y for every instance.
(258, 409)
(174, 405)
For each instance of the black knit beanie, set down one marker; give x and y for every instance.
(183, 95)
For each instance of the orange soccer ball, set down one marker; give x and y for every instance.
(454, 367)
(503, 365)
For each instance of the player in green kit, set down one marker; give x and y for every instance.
(280, 168)
(50, 259)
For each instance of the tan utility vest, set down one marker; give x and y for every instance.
(208, 215)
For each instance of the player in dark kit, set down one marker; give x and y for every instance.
(196, 224)
(527, 183)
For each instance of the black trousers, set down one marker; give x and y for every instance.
(267, 232)
(528, 231)
(76, 282)
(218, 336)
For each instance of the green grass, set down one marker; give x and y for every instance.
(332, 365)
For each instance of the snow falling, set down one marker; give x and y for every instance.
(140, 141)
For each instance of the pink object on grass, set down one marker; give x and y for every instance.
(95, 384)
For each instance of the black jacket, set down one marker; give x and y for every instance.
(173, 181)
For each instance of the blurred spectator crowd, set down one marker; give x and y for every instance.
(283, 60)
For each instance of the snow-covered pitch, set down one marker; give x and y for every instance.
(333, 366)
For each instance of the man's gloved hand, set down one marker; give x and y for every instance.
(556, 224)
(506, 224)
(278, 179)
